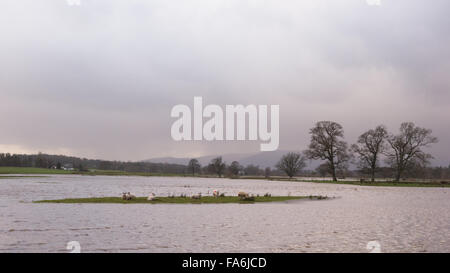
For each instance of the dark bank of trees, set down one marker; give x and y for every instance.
(82, 164)
(216, 167)
(220, 168)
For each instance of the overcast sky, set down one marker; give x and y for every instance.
(99, 80)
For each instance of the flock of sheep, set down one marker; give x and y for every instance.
(242, 195)
(128, 196)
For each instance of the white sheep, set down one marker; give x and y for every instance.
(151, 197)
(242, 194)
(197, 196)
(128, 196)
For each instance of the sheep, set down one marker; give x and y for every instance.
(215, 193)
(128, 196)
(197, 196)
(242, 194)
(151, 197)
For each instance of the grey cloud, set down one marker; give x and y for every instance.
(99, 80)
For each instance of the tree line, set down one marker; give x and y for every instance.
(47, 161)
(402, 152)
(218, 167)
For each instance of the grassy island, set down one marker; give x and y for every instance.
(179, 200)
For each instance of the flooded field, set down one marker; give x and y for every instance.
(400, 219)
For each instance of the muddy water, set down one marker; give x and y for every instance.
(399, 219)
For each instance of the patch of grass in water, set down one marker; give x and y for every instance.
(178, 200)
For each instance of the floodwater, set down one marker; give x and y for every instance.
(398, 219)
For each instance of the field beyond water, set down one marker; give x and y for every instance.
(31, 170)
(380, 183)
(93, 172)
(180, 200)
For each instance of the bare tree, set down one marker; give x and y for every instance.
(291, 163)
(194, 166)
(267, 172)
(327, 144)
(235, 168)
(369, 147)
(407, 148)
(217, 166)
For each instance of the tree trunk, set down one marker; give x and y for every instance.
(373, 175)
(398, 175)
(333, 169)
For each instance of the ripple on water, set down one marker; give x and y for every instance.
(400, 219)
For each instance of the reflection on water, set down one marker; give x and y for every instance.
(400, 219)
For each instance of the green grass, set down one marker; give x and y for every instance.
(177, 200)
(376, 183)
(20, 176)
(123, 173)
(40, 171)
(29, 170)
(22, 170)
(403, 183)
